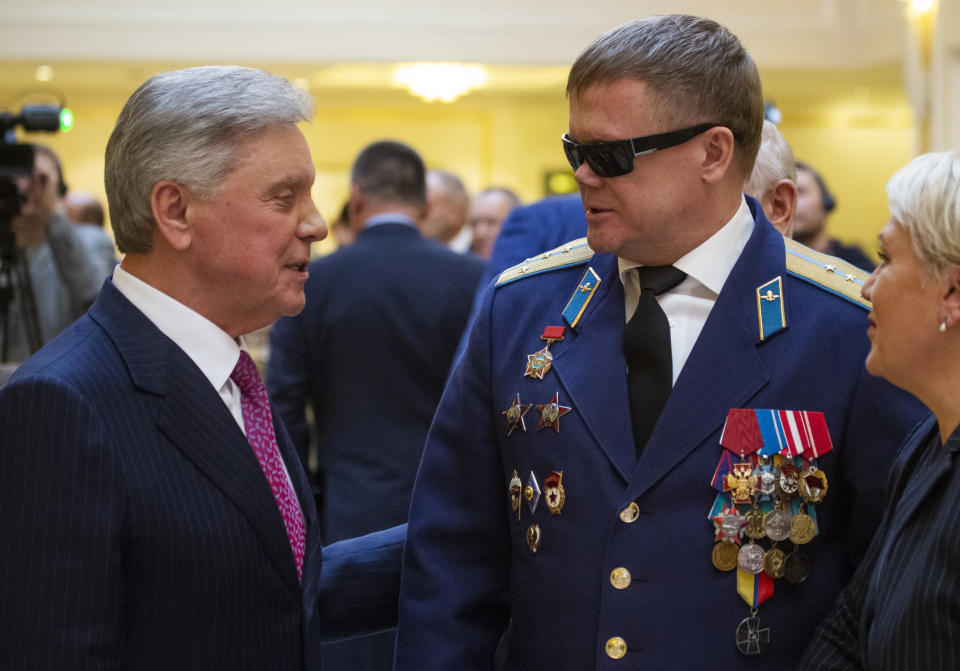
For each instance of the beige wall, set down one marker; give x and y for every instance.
(858, 132)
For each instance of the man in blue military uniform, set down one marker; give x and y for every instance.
(559, 514)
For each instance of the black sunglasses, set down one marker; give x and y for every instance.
(615, 158)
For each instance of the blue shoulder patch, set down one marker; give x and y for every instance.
(573, 253)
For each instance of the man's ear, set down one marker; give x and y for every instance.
(168, 200)
(718, 147)
(950, 299)
(357, 201)
(779, 204)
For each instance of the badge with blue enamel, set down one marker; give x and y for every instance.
(532, 492)
(770, 310)
(581, 297)
(539, 363)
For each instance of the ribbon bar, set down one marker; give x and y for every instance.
(790, 433)
(741, 432)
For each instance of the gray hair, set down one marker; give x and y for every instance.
(698, 70)
(509, 194)
(774, 162)
(188, 126)
(924, 196)
(450, 185)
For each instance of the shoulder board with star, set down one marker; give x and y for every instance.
(570, 254)
(827, 272)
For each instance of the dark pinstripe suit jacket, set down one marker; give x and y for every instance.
(901, 611)
(137, 530)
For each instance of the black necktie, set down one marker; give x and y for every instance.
(646, 344)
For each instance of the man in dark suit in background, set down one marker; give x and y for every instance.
(370, 352)
(153, 512)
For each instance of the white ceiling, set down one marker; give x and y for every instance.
(779, 33)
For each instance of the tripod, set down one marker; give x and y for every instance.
(14, 276)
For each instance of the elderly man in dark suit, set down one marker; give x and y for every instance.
(370, 352)
(153, 512)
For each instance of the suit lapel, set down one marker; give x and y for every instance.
(194, 418)
(936, 464)
(592, 352)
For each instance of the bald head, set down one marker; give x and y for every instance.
(447, 204)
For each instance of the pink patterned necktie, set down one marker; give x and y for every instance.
(263, 440)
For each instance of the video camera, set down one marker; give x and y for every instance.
(16, 161)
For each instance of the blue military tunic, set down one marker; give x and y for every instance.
(620, 576)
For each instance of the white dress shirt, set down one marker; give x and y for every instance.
(207, 345)
(210, 347)
(688, 304)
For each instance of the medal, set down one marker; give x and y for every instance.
(533, 537)
(550, 413)
(741, 483)
(802, 529)
(515, 413)
(750, 558)
(514, 488)
(773, 562)
(754, 526)
(728, 524)
(787, 482)
(553, 492)
(777, 525)
(813, 485)
(539, 363)
(766, 478)
(724, 555)
(752, 637)
(796, 567)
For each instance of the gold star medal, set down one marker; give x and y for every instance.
(538, 363)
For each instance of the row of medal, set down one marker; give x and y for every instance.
(768, 487)
(554, 497)
(778, 509)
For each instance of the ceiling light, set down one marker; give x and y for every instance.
(439, 81)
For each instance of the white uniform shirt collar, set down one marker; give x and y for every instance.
(710, 263)
(688, 305)
(207, 345)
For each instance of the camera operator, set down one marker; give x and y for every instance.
(66, 263)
